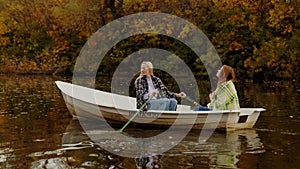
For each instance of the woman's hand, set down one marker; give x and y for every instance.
(153, 92)
(211, 96)
(182, 94)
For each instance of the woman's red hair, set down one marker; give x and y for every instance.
(227, 74)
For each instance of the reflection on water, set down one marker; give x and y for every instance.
(221, 150)
(31, 120)
(37, 131)
(153, 161)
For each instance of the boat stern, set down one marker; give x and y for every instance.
(246, 118)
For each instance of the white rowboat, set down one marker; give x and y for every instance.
(118, 109)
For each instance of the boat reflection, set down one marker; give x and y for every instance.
(151, 162)
(221, 150)
(74, 137)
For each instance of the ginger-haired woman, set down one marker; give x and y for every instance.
(225, 96)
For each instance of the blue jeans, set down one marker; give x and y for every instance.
(162, 104)
(201, 108)
(173, 104)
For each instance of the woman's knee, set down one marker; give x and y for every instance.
(173, 101)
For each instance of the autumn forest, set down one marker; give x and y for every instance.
(259, 38)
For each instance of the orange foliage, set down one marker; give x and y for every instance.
(256, 37)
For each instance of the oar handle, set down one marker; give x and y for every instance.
(133, 117)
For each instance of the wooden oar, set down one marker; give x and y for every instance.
(133, 117)
(191, 100)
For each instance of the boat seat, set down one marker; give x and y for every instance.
(183, 107)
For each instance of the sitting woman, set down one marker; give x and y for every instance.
(147, 85)
(225, 96)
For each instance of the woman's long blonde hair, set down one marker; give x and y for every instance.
(149, 66)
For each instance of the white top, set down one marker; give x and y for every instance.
(150, 88)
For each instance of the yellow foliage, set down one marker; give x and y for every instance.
(235, 46)
(184, 32)
(240, 29)
(279, 18)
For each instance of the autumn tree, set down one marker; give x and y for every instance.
(276, 56)
(260, 38)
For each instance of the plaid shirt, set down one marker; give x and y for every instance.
(225, 97)
(142, 89)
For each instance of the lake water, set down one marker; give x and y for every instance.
(37, 131)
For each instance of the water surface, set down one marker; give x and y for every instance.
(37, 131)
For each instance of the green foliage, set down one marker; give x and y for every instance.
(259, 38)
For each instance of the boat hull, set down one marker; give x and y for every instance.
(124, 110)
